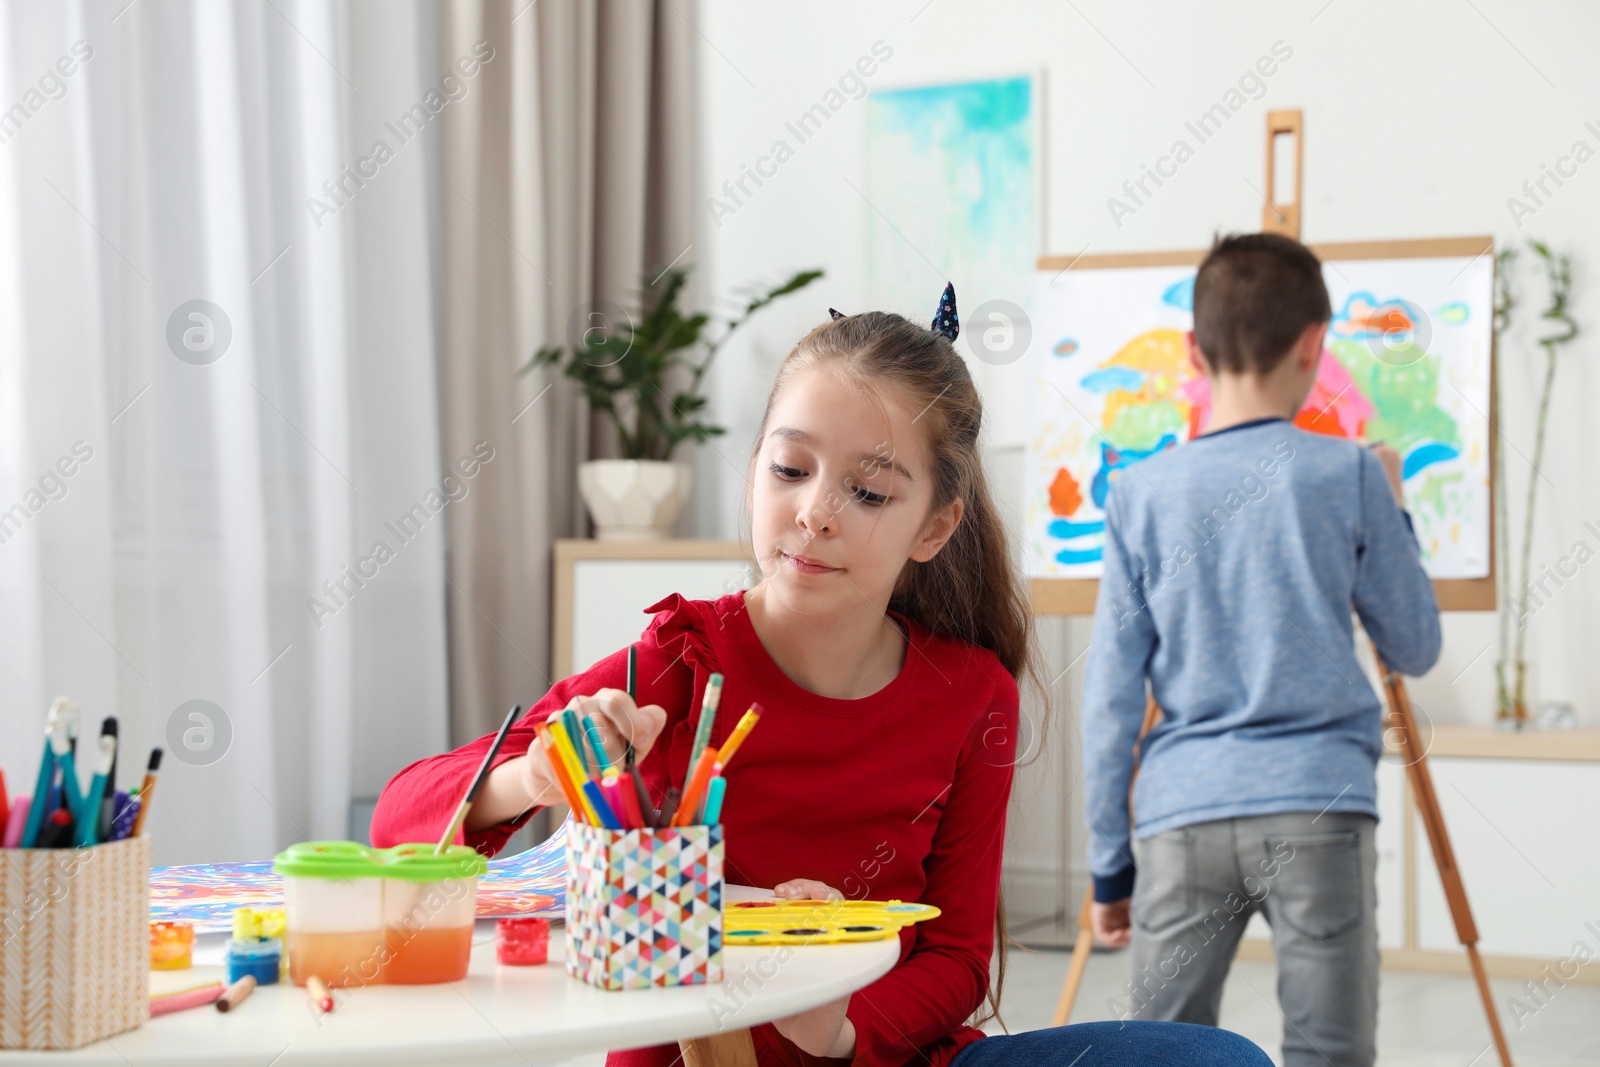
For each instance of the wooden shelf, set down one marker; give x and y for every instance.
(1488, 742)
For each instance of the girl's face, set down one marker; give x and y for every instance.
(842, 494)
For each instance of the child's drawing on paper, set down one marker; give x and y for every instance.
(1406, 361)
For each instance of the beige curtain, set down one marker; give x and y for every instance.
(565, 175)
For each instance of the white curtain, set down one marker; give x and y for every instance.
(217, 537)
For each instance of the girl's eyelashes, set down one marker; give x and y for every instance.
(868, 497)
(860, 492)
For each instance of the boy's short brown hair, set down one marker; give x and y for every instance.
(1254, 296)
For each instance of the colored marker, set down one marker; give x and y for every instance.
(696, 788)
(89, 820)
(17, 821)
(559, 769)
(597, 800)
(740, 732)
(627, 791)
(127, 808)
(145, 789)
(708, 716)
(713, 806)
(106, 822)
(611, 788)
(39, 805)
(5, 801)
(558, 733)
(601, 761)
(669, 806)
(647, 810)
(569, 722)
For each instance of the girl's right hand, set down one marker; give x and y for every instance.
(527, 781)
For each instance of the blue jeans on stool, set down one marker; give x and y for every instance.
(1115, 1044)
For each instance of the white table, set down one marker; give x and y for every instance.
(510, 1015)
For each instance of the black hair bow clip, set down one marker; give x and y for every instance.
(945, 320)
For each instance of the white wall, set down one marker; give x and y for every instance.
(1422, 119)
(1425, 137)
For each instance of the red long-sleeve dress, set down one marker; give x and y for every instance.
(898, 795)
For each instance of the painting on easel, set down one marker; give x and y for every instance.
(1407, 360)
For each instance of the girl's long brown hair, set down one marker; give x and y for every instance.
(971, 590)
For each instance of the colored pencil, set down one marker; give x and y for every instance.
(740, 732)
(712, 811)
(696, 788)
(317, 991)
(192, 999)
(145, 789)
(236, 993)
(465, 806)
(708, 716)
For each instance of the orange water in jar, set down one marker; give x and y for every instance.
(418, 957)
(344, 958)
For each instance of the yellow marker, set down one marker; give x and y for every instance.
(569, 760)
(740, 732)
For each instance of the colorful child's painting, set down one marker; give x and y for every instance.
(1406, 361)
(530, 883)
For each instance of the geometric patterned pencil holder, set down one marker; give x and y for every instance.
(644, 907)
(74, 943)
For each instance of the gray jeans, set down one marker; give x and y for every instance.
(1313, 877)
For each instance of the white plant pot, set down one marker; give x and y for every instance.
(634, 499)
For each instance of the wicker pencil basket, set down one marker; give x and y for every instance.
(74, 943)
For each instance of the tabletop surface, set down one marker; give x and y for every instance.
(497, 1014)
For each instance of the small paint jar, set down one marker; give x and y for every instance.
(171, 946)
(522, 942)
(259, 957)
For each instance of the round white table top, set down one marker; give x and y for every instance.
(512, 1015)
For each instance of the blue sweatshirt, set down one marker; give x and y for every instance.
(1231, 567)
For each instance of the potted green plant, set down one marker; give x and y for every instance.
(645, 372)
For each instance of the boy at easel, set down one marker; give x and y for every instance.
(1230, 567)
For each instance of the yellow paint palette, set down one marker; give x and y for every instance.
(818, 922)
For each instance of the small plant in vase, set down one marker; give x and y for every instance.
(646, 373)
(1511, 699)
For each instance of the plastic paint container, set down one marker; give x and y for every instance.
(333, 900)
(522, 942)
(171, 946)
(360, 916)
(428, 906)
(250, 951)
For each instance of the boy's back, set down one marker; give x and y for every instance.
(1231, 567)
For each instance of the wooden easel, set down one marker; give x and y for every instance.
(1285, 218)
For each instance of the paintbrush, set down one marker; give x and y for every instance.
(477, 782)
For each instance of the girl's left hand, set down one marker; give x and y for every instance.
(806, 889)
(826, 1031)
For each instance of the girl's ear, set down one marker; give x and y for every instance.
(941, 527)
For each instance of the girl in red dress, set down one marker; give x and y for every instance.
(884, 640)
